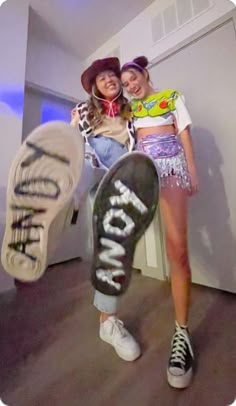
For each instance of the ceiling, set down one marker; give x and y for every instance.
(81, 26)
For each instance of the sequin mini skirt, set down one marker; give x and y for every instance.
(168, 154)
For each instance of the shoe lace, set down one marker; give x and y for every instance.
(118, 327)
(180, 344)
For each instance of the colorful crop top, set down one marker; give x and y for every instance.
(163, 108)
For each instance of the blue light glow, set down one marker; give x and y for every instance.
(54, 111)
(13, 98)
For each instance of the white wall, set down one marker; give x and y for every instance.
(136, 37)
(50, 67)
(13, 45)
(37, 62)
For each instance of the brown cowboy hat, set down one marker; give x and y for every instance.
(89, 75)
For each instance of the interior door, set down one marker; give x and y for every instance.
(41, 107)
(205, 71)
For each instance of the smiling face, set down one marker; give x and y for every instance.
(136, 83)
(108, 84)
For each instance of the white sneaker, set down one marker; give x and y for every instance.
(2, 404)
(113, 332)
(41, 183)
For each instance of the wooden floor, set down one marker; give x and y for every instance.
(51, 355)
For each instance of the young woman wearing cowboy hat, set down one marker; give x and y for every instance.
(104, 121)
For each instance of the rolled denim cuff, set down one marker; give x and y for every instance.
(105, 303)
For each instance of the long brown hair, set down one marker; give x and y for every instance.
(96, 108)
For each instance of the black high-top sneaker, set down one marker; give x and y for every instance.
(180, 367)
(125, 204)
